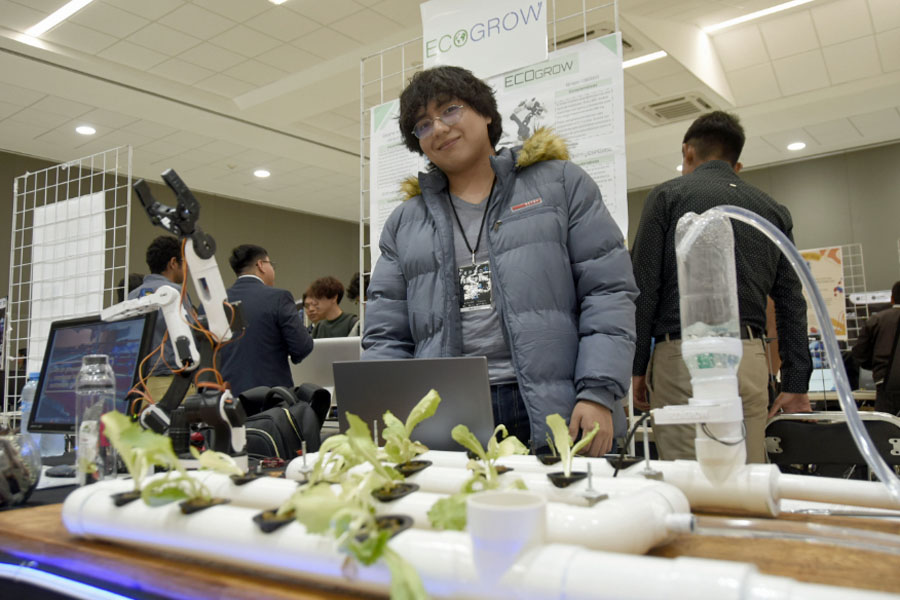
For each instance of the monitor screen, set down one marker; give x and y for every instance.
(126, 342)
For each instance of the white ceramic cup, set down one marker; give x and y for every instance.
(503, 525)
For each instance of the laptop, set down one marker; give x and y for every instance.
(367, 388)
(316, 368)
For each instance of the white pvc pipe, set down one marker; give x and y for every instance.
(837, 491)
(443, 560)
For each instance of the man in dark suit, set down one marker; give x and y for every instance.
(273, 328)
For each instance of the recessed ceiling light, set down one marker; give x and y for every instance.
(57, 17)
(644, 59)
(678, 168)
(277, 1)
(85, 130)
(794, 146)
(755, 15)
(262, 173)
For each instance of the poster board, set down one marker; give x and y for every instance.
(827, 267)
(578, 91)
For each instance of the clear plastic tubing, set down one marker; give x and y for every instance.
(842, 384)
(857, 539)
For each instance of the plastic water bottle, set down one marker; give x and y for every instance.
(27, 403)
(95, 395)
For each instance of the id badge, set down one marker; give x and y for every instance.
(475, 287)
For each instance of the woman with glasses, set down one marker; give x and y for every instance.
(508, 254)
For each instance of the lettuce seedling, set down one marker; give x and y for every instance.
(360, 439)
(450, 512)
(397, 443)
(143, 450)
(217, 461)
(564, 443)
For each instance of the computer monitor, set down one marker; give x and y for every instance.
(126, 342)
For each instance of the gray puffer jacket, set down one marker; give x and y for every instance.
(561, 276)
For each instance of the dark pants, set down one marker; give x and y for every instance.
(883, 401)
(509, 410)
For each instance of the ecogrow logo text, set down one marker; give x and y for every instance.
(483, 30)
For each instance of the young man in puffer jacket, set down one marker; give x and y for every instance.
(510, 255)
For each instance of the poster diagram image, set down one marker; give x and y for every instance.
(528, 117)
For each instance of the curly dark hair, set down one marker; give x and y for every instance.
(326, 287)
(353, 288)
(245, 256)
(442, 84)
(717, 134)
(161, 251)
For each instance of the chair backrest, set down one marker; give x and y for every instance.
(824, 439)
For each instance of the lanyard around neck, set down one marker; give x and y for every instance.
(480, 227)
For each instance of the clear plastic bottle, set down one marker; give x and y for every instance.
(95, 393)
(27, 403)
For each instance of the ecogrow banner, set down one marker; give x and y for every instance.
(486, 37)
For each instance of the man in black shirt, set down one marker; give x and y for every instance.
(875, 350)
(710, 151)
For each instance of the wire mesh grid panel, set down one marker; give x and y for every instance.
(68, 254)
(384, 75)
(854, 283)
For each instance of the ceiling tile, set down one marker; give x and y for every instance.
(7, 109)
(634, 124)
(740, 48)
(80, 38)
(790, 34)
(638, 94)
(326, 43)
(222, 148)
(840, 21)
(288, 58)
(61, 106)
(46, 6)
(889, 49)
(108, 19)
(781, 139)
(678, 83)
(882, 124)
(754, 85)
(108, 118)
(18, 17)
(133, 55)
(655, 69)
(255, 72)
(885, 14)
(244, 40)
(834, 132)
(757, 151)
(19, 95)
(196, 21)
(366, 26)
(326, 12)
(164, 39)
(851, 60)
(17, 130)
(150, 129)
(39, 118)
(224, 85)
(120, 137)
(181, 71)
(801, 73)
(149, 10)
(282, 24)
(212, 57)
(401, 12)
(236, 10)
(163, 148)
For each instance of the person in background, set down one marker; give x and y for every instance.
(309, 309)
(874, 349)
(273, 330)
(166, 269)
(324, 297)
(709, 177)
(507, 254)
(353, 292)
(134, 281)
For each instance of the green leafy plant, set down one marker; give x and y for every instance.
(360, 439)
(217, 461)
(564, 443)
(450, 512)
(397, 443)
(142, 451)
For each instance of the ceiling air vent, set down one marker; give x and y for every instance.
(678, 108)
(575, 33)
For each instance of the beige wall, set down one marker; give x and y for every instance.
(303, 246)
(835, 200)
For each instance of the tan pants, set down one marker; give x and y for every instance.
(669, 382)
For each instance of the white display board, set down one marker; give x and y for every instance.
(68, 247)
(578, 91)
(485, 37)
(827, 267)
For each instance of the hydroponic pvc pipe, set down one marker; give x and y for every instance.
(443, 560)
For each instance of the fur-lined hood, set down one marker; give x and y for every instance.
(543, 145)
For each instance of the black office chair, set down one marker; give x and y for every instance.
(820, 443)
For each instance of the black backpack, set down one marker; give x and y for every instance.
(279, 430)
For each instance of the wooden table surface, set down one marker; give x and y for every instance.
(38, 533)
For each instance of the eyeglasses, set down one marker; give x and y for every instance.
(451, 116)
(266, 260)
